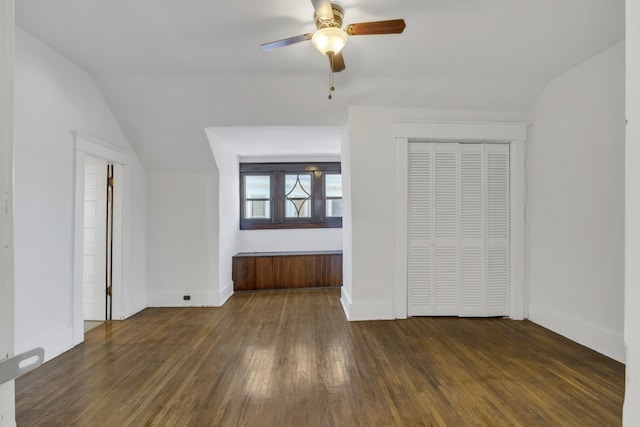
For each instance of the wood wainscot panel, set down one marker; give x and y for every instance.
(265, 278)
(286, 270)
(243, 273)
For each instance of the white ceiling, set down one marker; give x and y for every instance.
(169, 69)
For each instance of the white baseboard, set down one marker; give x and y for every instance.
(175, 299)
(345, 300)
(4, 422)
(225, 294)
(369, 310)
(631, 410)
(7, 404)
(135, 305)
(603, 341)
(53, 345)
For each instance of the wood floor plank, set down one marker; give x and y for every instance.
(290, 358)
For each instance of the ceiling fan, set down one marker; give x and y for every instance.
(330, 38)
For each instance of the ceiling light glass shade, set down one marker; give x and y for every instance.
(329, 40)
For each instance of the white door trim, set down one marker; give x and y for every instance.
(85, 145)
(513, 134)
(7, 286)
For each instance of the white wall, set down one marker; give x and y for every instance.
(372, 147)
(227, 215)
(7, 401)
(314, 239)
(53, 97)
(182, 238)
(347, 226)
(631, 414)
(134, 245)
(575, 230)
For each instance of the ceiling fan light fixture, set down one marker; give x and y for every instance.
(329, 40)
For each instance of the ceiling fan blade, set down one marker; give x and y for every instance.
(393, 26)
(285, 42)
(337, 62)
(323, 9)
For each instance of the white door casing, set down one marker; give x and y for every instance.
(513, 136)
(7, 400)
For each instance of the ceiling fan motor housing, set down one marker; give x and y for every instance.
(336, 22)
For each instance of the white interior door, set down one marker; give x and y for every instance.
(458, 236)
(95, 237)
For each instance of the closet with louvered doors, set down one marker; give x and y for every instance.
(458, 236)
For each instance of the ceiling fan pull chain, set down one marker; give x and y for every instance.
(331, 88)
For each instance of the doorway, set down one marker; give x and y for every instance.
(119, 160)
(513, 136)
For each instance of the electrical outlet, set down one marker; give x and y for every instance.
(186, 297)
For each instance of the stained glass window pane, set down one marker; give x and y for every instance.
(297, 189)
(298, 208)
(298, 185)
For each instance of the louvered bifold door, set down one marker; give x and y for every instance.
(458, 232)
(473, 296)
(497, 264)
(446, 228)
(420, 233)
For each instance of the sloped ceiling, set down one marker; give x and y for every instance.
(169, 69)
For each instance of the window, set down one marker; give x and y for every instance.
(257, 196)
(290, 195)
(333, 194)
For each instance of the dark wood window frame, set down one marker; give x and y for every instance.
(277, 172)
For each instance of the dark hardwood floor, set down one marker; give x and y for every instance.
(290, 358)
